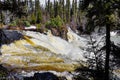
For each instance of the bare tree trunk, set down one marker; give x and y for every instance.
(107, 51)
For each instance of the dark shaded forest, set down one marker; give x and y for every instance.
(79, 14)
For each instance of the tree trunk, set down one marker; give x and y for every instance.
(107, 51)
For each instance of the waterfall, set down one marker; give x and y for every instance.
(37, 51)
(76, 40)
(57, 45)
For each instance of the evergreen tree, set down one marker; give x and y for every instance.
(73, 9)
(33, 19)
(64, 11)
(99, 13)
(36, 6)
(15, 7)
(39, 16)
(38, 12)
(76, 11)
(68, 10)
(31, 6)
(60, 11)
(48, 7)
(51, 10)
(79, 12)
(55, 8)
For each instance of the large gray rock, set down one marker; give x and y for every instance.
(8, 36)
(42, 76)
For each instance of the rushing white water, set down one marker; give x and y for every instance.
(115, 38)
(76, 40)
(31, 27)
(42, 52)
(57, 45)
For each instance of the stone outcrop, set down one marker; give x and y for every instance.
(8, 36)
(42, 76)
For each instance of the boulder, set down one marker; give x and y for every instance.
(42, 76)
(8, 36)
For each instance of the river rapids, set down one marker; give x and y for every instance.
(40, 52)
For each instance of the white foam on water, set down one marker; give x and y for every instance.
(57, 45)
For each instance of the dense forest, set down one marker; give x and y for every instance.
(77, 14)
(82, 16)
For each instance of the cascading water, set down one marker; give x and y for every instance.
(57, 45)
(76, 40)
(40, 52)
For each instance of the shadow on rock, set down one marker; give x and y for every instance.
(42, 76)
(8, 36)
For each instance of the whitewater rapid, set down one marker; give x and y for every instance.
(38, 52)
(58, 45)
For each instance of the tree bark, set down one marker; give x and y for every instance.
(107, 51)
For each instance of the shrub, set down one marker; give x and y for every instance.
(14, 23)
(19, 23)
(38, 26)
(54, 22)
(39, 17)
(26, 23)
(33, 19)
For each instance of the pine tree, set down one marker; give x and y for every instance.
(51, 10)
(64, 11)
(33, 19)
(60, 11)
(48, 6)
(39, 16)
(55, 8)
(38, 12)
(73, 7)
(36, 6)
(68, 10)
(76, 11)
(80, 14)
(31, 6)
